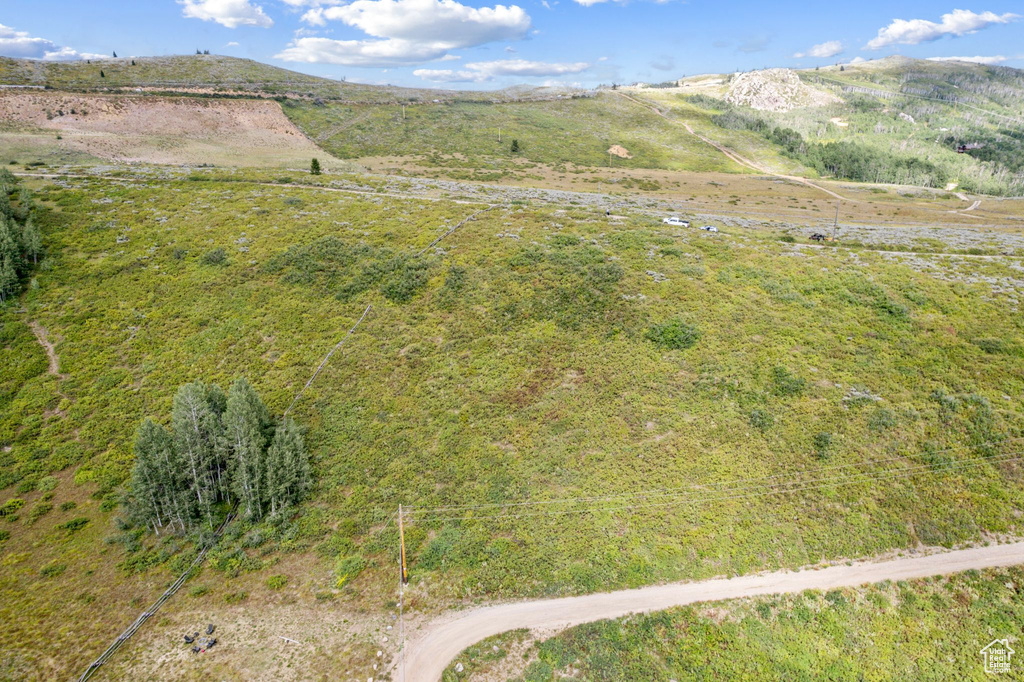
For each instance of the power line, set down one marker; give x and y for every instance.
(758, 491)
(679, 490)
(324, 362)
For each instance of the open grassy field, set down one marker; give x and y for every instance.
(465, 136)
(633, 382)
(923, 629)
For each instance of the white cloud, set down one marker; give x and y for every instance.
(230, 13)
(823, 50)
(479, 72)
(997, 59)
(368, 53)
(20, 44)
(315, 16)
(957, 23)
(233, 43)
(407, 31)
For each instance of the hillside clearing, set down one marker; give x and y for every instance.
(162, 130)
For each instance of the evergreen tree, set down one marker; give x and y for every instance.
(219, 447)
(102, 75)
(195, 423)
(157, 480)
(247, 425)
(115, 54)
(10, 243)
(288, 476)
(8, 279)
(314, 167)
(25, 203)
(31, 240)
(6, 210)
(515, 146)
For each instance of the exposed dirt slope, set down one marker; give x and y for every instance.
(775, 90)
(167, 130)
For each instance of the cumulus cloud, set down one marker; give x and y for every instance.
(230, 13)
(996, 59)
(20, 44)
(479, 72)
(406, 31)
(822, 50)
(957, 23)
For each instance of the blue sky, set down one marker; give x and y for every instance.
(474, 44)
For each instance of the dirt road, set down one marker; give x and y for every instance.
(743, 161)
(432, 648)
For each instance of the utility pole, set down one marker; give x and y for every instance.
(499, 134)
(401, 540)
(835, 225)
(403, 112)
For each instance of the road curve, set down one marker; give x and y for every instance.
(431, 648)
(742, 161)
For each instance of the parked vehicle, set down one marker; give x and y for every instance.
(676, 222)
(709, 228)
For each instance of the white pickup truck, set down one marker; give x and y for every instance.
(677, 222)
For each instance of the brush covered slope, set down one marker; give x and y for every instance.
(569, 402)
(920, 629)
(224, 76)
(948, 125)
(467, 139)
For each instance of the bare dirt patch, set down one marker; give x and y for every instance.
(165, 130)
(620, 151)
(776, 90)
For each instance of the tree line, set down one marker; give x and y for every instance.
(847, 160)
(21, 243)
(220, 448)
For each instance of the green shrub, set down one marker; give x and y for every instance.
(46, 484)
(74, 525)
(4, 535)
(11, 506)
(236, 597)
(67, 506)
(214, 257)
(761, 419)
(52, 570)
(348, 568)
(277, 582)
(673, 335)
(881, 419)
(38, 511)
(198, 590)
(822, 445)
(786, 384)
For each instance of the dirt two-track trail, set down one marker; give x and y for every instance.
(430, 649)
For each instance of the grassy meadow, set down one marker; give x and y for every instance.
(930, 629)
(463, 136)
(539, 354)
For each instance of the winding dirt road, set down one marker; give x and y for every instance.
(432, 648)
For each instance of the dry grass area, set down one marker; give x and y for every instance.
(163, 130)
